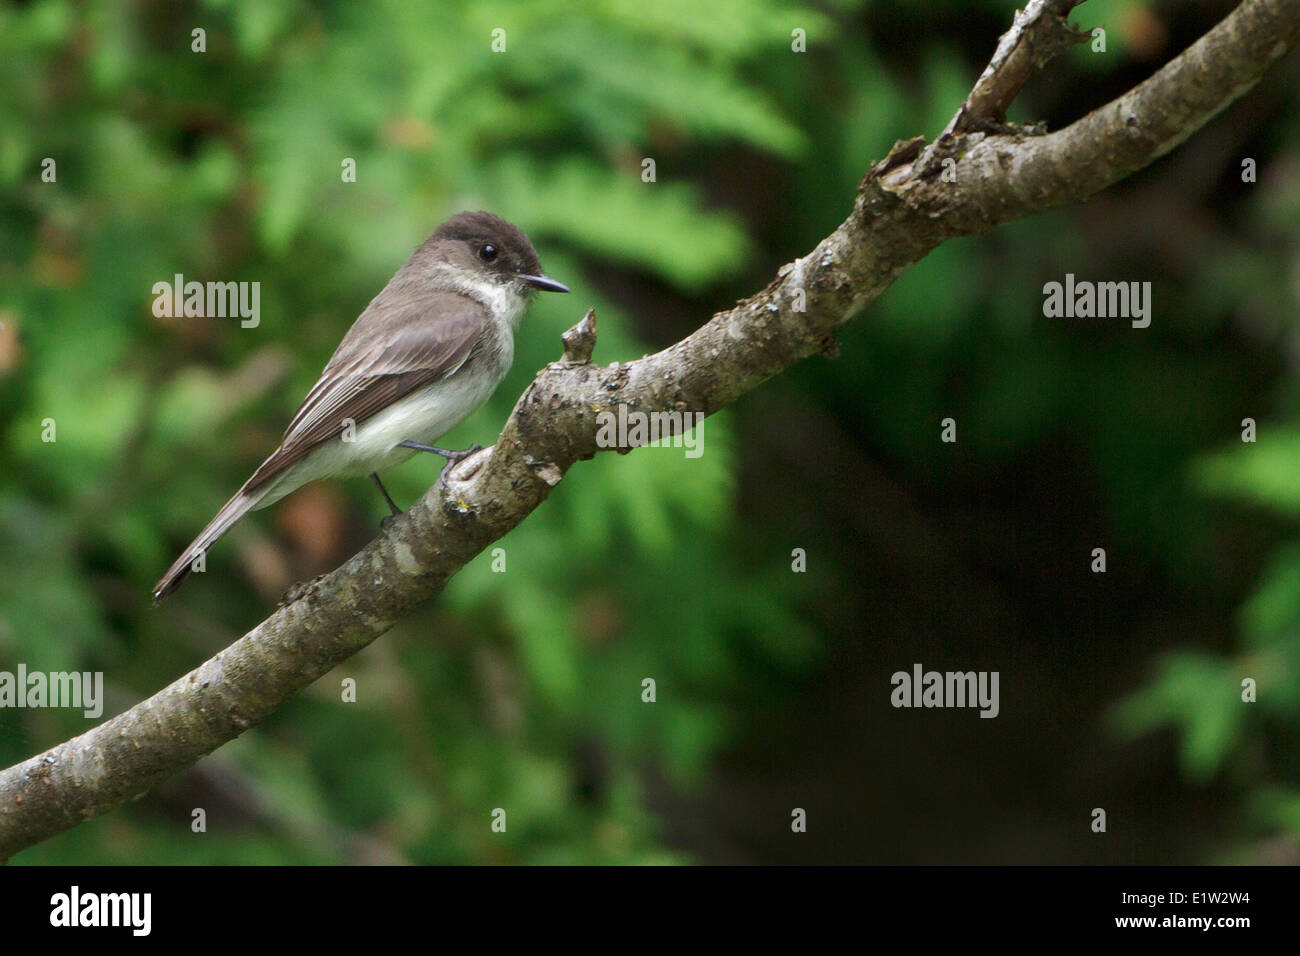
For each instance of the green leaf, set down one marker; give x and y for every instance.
(1266, 471)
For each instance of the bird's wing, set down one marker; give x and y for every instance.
(419, 341)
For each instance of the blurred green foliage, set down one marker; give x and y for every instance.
(522, 690)
(1205, 694)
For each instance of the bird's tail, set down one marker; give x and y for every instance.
(234, 509)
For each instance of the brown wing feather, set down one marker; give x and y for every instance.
(428, 335)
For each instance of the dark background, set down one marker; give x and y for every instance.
(522, 690)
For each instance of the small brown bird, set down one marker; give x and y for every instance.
(426, 352)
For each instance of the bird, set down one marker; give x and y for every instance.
(426, 352)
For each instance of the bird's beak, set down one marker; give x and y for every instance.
(545, 283)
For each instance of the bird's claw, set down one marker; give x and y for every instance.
(454, 459)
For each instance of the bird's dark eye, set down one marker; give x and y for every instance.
(488, 252)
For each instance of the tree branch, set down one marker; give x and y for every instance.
(904, 209)
(1040, 32)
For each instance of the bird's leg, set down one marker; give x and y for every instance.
(385, 522)
(453, 457)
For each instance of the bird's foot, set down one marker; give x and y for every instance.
(388, 520)
(453, 457)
